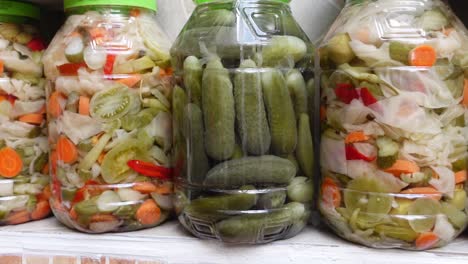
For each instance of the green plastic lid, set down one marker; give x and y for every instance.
(207, 1)
(148, 4)
(15, 8)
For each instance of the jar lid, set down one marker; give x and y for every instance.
(148, 4)
(207, 1)
(14, 8)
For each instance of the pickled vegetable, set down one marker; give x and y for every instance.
(110, 126)
(393, 143)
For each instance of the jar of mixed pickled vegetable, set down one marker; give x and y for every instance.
(242, 120)
(24, 182)
(110, 86)
(394, 114)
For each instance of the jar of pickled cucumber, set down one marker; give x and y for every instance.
(109, 92)
(24, 181)
(394, 115)
(244, 157)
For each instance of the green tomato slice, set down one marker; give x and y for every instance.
(422, 214)
(114, 165)
(112, 103)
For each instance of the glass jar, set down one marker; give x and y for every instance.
(24, 181)
(242, 129)
(110, 85)
(394, 136)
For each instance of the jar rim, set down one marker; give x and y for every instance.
(198, 2)
(19, 9)
(147, 4)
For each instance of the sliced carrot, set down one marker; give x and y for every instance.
(423, 56)
(465, 94)
(97, 32)
(66, 150)
(426, 241)
(357, 136)
(135, 12)
(330, 192)
(45, 169)
(429, 191)
(53, 161)
(102, 218)
(166, 72)
(83, 106)
(2, 67)
(448, 31)
(130, 81)
(73, 213)
(165, 187)
(10, 163)
(460, 177)
(42, 210)
(34, 119)
(403, 166)
(145, 187)
(54, 105)
(18, 217)
(101, 158)
(148, 213)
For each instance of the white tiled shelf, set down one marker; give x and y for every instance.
(169, 243)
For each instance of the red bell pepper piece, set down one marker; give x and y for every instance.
(109, 66)
(70, 69)
(346, 92)
(367, 97)
(80, 195)
(150, 170)
(353, 154)
(36, 44)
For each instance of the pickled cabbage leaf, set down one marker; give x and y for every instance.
(372, 55)
(22, 90)
(360, 168)
(13, 203)
(78, 127)
(14, 129)
(161, 129)
(444, 229)
(446, 181)
(26, 107)
(333, 155)
(424, 86)
(403, 112)
(13, 62)
(446, 46)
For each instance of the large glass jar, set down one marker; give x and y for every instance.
(242, 121)
(24, 182)
(394, 136)
(109, 94)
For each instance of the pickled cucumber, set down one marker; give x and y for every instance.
(250, 110)
(301, 189)
(280, 111)
(179, 101)
(424, 212)
(339, 50)
(283, 50)
(216, 207)
(305, 146)
(298, 90)
(250, 227)
(272, 200)
(198, 165)
(218, 111)
(193, 73)
(397, 232)
(252, 170)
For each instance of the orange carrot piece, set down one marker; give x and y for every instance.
(357, 136)
(145, 187)
(53, 161)
(34, 119)
(42, 210)
(18, 217)
(2, 67)
(448, 31)
(135, 12)
(423, 56)
(130, 81)
(101, 158)
(97, 32)
(54, 106)
(460, 177)
(426, 241)
(73, 213)
(45, 194)
(45, 169)
(10, 163)
(148, 213)
(83, 106)
(164, 188)
(465, 94)
(429, 191)
(330, 192)
(66, 150)
(403, 166)
(102, 218)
